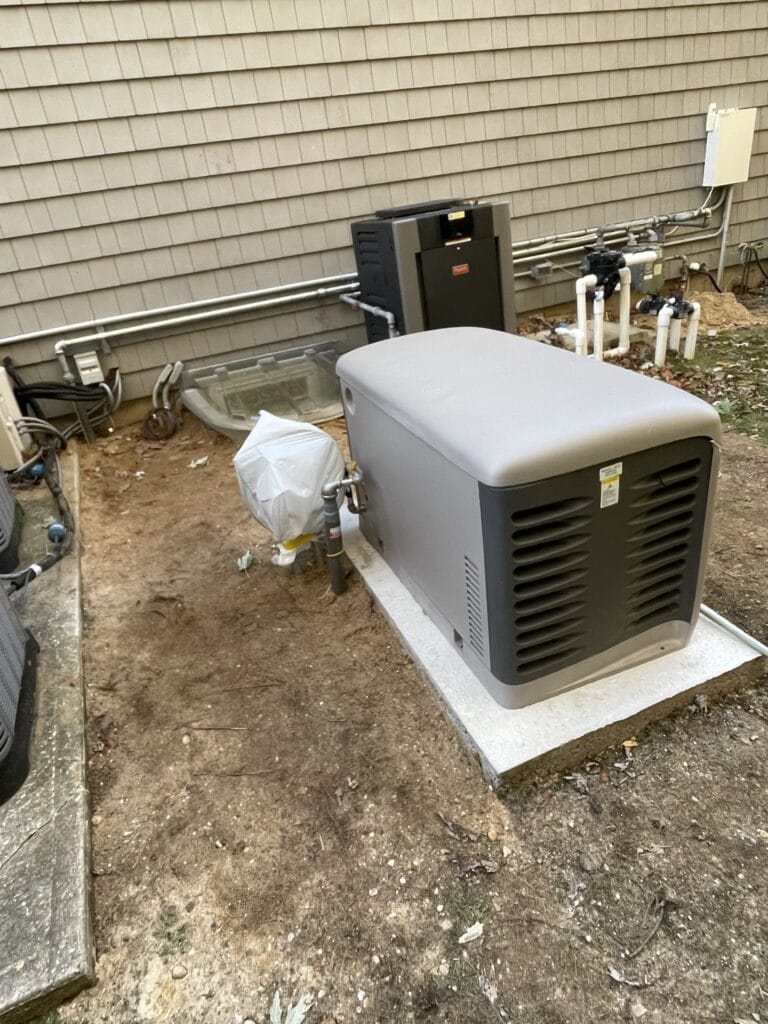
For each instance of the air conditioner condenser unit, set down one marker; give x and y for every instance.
(550, 513)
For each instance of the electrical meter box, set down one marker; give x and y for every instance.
(441, 264)
(550, 513)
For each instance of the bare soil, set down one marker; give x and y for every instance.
(278, 800)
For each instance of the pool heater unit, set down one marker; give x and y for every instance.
(550, 513)
(439, 264)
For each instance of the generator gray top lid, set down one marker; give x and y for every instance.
(509, 410)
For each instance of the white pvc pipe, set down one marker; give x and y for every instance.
(598, 312)
(675, 329)
(635, 259)
(625, 311)
(582, 286)
(579, 341)
(689, 346)
(662, 327)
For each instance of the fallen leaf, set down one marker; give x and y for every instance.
(619, 978)
(473, 932)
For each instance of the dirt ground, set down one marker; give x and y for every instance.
(279, 802)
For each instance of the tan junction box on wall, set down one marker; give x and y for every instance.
(729, 145)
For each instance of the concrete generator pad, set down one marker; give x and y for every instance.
(563, 730)
(45, 926)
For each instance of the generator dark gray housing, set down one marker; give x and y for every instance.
(17, 650)
(434, 265)
(549, 512)
(10, 527)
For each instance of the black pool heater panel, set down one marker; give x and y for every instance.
(439, 264)
(550, 513)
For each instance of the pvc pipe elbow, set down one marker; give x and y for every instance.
(584, 284)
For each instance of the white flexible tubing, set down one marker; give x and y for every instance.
(689, 345)
(662, 327)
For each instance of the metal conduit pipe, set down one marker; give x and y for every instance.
(384, 314)
(672, 242)
(61, 347)
(117, 318)
(550, 242)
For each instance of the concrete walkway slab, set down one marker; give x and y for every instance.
(45, 925)
(565, 729)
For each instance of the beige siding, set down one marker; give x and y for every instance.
(155, 151)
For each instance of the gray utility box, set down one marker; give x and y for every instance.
(550, 513)
(439, 264)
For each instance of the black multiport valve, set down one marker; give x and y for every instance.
(681, 309)
(605, 264)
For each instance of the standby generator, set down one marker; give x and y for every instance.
(438, 264)
(550, 513)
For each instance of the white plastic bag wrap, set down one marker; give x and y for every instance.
(281, 468)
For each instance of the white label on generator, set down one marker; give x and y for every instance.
(610, 477)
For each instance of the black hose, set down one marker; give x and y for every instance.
(57, 392)
(18, 383)
(760, 265)
(707, 273)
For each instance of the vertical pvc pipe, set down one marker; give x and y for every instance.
(689, 346)
(625, 297)
(598, 312)
(662, 327)
(675, 329)
(582, 286)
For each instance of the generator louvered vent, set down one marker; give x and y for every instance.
(13, 645)
(550, 552)
(8, 528)
(659, 543)
(474, 605)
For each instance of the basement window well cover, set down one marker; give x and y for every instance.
(298, 384)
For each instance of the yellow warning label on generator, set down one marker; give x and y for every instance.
(610, 478)
(457, 215)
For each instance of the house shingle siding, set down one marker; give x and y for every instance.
(156, 151)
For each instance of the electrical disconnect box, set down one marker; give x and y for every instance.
(11, 443)
(550, 513)
(729, 146)
(439, 264)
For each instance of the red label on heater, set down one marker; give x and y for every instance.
(460, 268)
